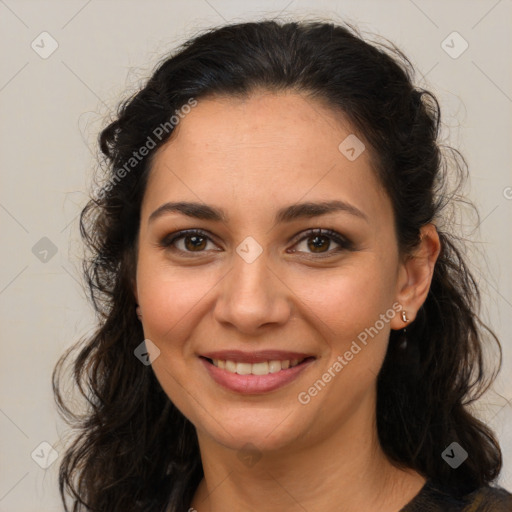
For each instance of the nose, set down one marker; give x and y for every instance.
(252, 296)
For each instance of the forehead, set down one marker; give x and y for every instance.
(266, 150)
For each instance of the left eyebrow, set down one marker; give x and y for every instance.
(286, 214)
(308, 210)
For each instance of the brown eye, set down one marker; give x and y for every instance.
(319, 241)
(186, 241)
(194, 242)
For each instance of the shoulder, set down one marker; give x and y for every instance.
(488, 499)
(435, 498)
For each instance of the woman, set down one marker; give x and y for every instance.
(285, 322)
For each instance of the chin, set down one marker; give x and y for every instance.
(265, 433)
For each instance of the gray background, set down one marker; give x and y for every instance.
(52, 109)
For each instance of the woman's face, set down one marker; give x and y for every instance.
(254, 287)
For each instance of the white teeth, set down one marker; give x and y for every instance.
(231, 366)
(263, 368)
(274, 366)
(260, 368)
(243, 368)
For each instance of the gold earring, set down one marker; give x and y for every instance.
(403, 340)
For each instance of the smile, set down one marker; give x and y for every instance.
(255, 378)
(263, 368)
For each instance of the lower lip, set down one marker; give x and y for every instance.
(253, 384)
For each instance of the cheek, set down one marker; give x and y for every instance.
(170, 298)
(347, 300)
(347, 309)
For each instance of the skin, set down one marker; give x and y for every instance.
(251, 157)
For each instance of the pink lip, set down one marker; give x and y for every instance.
(254, 384)
(255, 357)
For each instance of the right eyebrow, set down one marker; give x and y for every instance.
(195, 210)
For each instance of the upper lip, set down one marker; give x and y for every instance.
(240, 356)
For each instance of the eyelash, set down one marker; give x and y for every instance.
(344, 244)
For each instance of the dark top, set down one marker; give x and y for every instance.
(484, 499)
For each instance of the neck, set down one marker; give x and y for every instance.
(345, 471)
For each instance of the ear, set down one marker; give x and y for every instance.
(415, 275)
(138, 311)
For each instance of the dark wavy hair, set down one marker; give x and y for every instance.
(133, 449)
